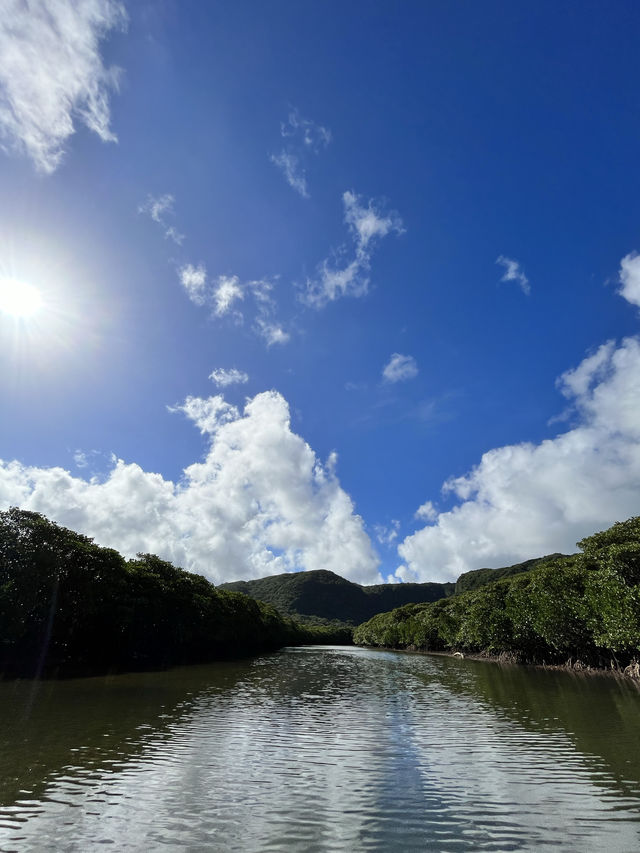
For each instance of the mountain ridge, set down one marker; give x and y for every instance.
(324, 594)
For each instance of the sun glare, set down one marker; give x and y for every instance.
(18, 298)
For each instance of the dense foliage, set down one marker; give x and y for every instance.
(480, 577)
(584, 607)
(70, 606)
(325, 595)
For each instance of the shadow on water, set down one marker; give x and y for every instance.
(49, 726)
(599, 713)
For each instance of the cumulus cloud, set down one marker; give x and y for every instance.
(207, 413)
(400, 368)
(158, 208)
(52, 74)
(233, 376)
(630, 278)
(260, 502)
(528, 499)
(367, 225)
(194, 280)
(513, 272)
(303, 137)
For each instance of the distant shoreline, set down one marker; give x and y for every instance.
(573, 668)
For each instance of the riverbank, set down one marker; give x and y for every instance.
(575, 612)
(628, 674)
(70, 608)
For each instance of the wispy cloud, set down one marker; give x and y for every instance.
(89, 460)
(304, 137)
(289, 165)
(158, 208)
(266, 325)
(313, 136)
(223, 377)
(400, 368)
(367, 224)
(272, 333)
(52, 74)
(226, 292)
(222, 296)
(386, 534)
(514, 272)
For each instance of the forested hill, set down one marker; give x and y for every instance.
(480, 577)
(328, 596)
(583, 608)
(70, 607)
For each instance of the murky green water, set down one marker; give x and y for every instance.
(322, 749)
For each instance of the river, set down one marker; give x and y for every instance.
(322, 749)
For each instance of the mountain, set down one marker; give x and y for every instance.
(330, 597)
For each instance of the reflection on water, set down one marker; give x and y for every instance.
(322, 749)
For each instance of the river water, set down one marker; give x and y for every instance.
(322, 749)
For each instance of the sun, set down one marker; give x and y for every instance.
(18, 298)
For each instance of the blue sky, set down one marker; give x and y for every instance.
(323, 285)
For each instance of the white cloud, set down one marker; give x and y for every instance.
(233, 376)
(513, 272)
(400, 368)
(227, 291)
(260, 502)
(527, 500)
(266, 326)
(289, 165)
(305, 137)
(331, 284)
(272, 332)
(427, 512)
(158, 207)
(630, 278)
(313, 136)
(387, 534)
(207, 413)
(87, 458)
(80, 458)
(367, 224)
(172, 233)
(52, 74)
(194, 280)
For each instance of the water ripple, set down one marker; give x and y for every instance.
(339, 749)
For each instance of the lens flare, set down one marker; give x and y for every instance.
(18, 298)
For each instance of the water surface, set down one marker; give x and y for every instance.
(322, 749)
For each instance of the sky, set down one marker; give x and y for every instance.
(346, 286)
